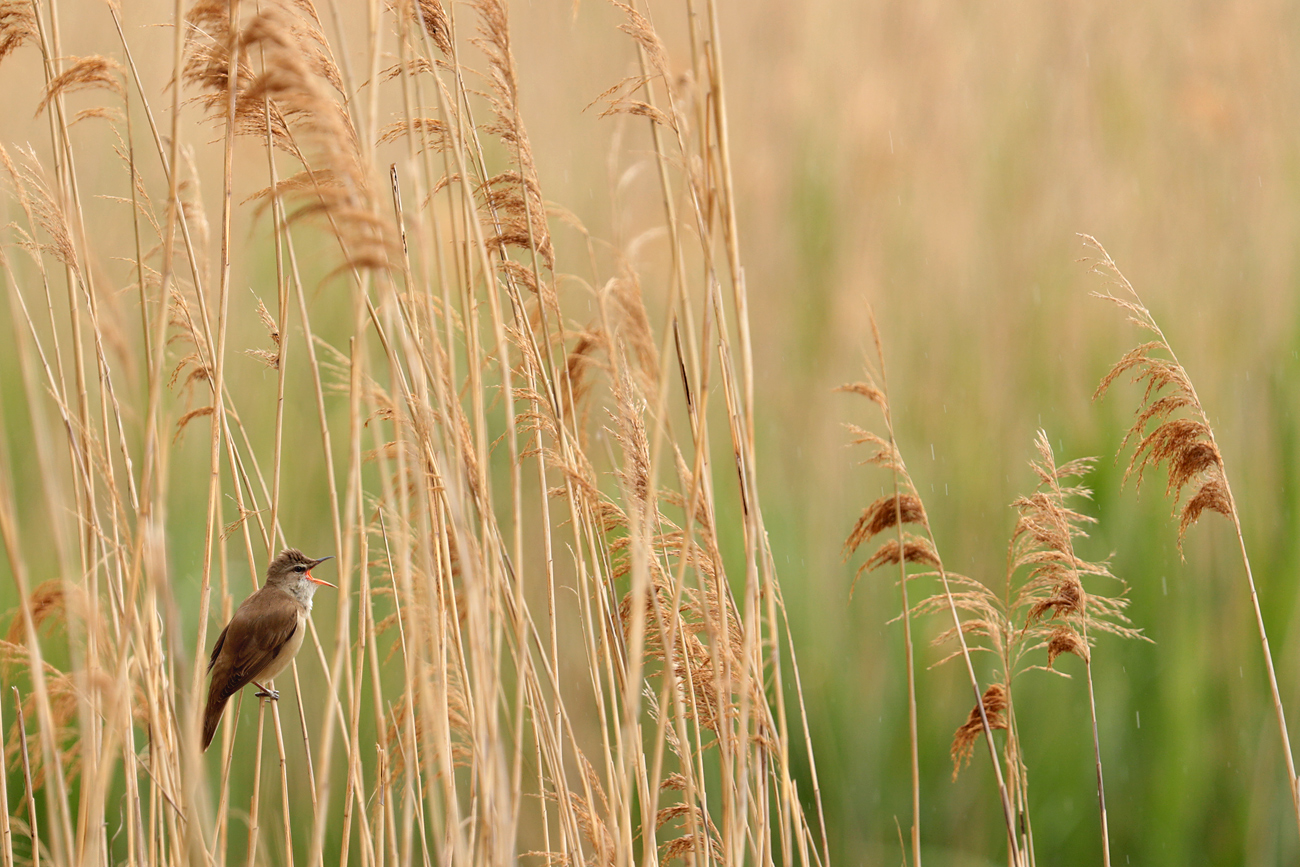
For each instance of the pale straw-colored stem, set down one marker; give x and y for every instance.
(33, 823)
(255, 801)
(1148, 321)
(1096, 746)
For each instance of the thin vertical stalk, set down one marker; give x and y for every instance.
(33, 823)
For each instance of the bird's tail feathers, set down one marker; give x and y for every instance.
(212, 715)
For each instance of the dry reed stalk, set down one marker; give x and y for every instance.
(6, 823)
(1044, 606)
(1060, 610)
(48, 722)
(255, 800)
(697, 376)
(904, 550)
(903, 507)
(30, 796)
(1184, 441)
(458, 341)
(91, 72)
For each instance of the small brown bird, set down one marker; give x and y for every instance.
(263, 637)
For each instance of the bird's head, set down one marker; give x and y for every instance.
(291, 572)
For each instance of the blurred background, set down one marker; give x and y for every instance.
(936, 161)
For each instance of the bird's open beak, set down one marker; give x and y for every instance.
(315, 580)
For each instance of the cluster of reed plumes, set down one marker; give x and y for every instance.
(540, 653)
(1052, 601)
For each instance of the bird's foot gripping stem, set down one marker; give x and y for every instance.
(266, 692)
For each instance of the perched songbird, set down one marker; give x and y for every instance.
(263, 637)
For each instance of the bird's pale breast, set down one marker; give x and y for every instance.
(288, 650)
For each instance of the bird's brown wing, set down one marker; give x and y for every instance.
(216, 648)
(254, 637)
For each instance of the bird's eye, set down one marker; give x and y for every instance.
(300, 568)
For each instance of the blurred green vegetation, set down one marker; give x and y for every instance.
(937, 163)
